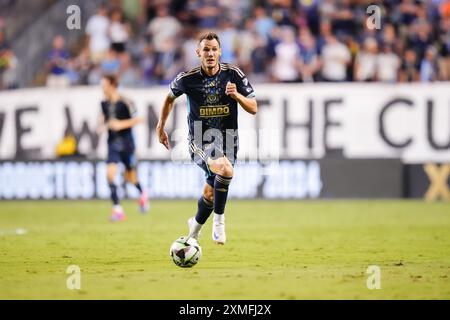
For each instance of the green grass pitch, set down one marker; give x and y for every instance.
(275, 250)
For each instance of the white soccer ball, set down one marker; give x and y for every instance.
(185, 252)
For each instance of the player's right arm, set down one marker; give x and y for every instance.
(177, 88)
(165, 111)
(101, 122)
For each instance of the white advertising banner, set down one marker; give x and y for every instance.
(295, 121)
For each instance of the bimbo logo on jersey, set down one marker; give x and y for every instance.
(214, 111)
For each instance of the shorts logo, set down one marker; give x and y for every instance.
(214, 111)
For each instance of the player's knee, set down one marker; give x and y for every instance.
(208, 194)
(130, 176)
(226, 170)
(110, 175)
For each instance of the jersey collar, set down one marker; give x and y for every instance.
(205, 75)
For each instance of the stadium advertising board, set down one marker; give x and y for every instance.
(430, 181)
(410, 122)
(287, 179)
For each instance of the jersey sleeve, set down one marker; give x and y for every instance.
(243, 86)
(130, 107)
(177, 87)
(104, 106)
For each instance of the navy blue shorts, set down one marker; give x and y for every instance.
(128, 158)
(200, 156)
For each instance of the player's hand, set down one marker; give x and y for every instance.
(115, 125)
(231, 90)
(163, 137)
(99, 130)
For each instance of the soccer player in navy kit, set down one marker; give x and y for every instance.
(119, 115)
(213, 91)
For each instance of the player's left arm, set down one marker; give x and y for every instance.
(100, 124)
(241, 91)
(118, 125)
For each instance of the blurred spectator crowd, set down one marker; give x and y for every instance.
(8, 63)
(147, 42)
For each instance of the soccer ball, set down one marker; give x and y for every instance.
(185, 252)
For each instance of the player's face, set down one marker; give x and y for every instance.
(107, 87)
(209, 53)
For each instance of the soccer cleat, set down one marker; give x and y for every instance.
(143, 202)
(194, 228)
(218, 231)
(117, 214)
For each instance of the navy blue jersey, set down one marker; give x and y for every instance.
(121, 110)
(208, 104)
